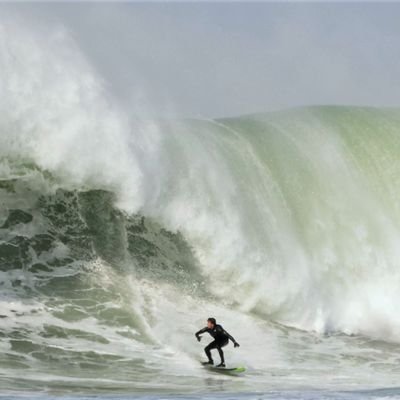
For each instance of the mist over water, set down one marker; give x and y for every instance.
(118, 237)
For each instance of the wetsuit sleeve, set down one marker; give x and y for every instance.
(224, 332)
(201, 331)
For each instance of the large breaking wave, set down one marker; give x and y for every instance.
(120, 232)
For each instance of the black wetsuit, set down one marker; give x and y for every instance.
(221, 339)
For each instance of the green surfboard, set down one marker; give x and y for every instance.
(224, 370)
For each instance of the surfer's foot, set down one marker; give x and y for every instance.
(210, 362)
(222, 365)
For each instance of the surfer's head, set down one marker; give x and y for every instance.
(211, 322)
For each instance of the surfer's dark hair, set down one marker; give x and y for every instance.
(212, 320)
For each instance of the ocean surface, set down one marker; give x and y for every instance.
(119, 236)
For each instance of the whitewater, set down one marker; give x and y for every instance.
(119, 236)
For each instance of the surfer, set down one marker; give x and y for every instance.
(221, 339)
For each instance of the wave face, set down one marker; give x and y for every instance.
(119, 236)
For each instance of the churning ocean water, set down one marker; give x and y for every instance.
(119, 237)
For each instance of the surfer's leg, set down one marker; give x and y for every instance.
(207, 350)
(221, 353)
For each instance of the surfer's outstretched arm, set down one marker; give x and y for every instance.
(200, 332)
